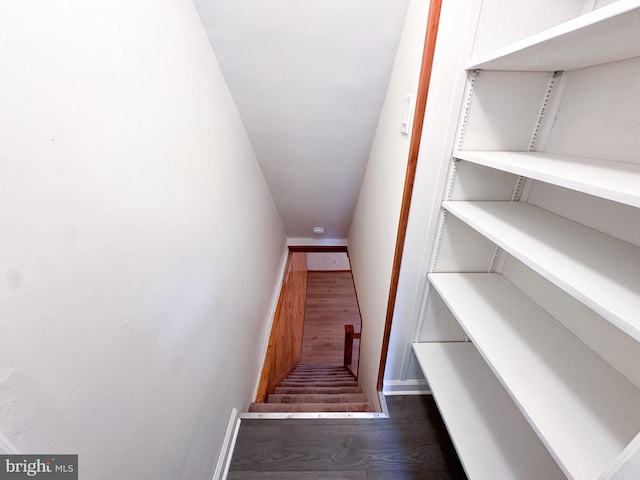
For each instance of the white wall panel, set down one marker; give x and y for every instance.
(504, 110)
(598, 116)
(615, 219)
(462, 249)
(325, 261)
(602, 3)
(475, 182)
(505, 21)
(140, 243)
(617, 348)
(439, 323)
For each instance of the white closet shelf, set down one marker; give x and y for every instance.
(601, 271)
(491, 436)
(608, 34)
(617, 181)
(583, 410)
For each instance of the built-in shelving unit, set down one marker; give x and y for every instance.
(486, 426)
(539, 326)
(529, 352)
(617, 181)
(597, 269)
(605, 35)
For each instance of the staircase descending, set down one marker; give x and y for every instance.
(317, 387)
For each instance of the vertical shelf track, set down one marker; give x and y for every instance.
(538, 140)
(453, 165)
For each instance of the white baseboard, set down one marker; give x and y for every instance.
(6, 447)
(224, 460)
(383, 404)
(406, 387)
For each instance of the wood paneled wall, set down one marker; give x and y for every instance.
(285, 341)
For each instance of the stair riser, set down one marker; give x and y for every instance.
(317, 390)
(317, 398)
(330, 369)
(310, 374)
(311, 407)
(286, 383)
(320, 370)
(321, 379)
(325, 369)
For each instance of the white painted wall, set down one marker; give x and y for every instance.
(139, 242)
(373, 231)
(327, 261)
(445, 97)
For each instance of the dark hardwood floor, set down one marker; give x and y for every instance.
(412, 444)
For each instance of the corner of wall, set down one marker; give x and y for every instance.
(373, 232)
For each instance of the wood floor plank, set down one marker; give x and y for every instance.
(411, 444)
(331, 304)
(297, 476)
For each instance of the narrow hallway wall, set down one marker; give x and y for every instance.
(374, 227)
(141, 251)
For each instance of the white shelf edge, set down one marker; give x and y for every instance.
(583, 410)
(627, 465)
(598, 270)
(506, 58)
(491, 436)
(612, 180)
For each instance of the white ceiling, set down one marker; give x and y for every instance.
(309, 79)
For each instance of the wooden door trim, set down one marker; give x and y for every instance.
(421, 103)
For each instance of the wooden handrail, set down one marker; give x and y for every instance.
(349, 335)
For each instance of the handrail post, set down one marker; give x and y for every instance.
(349, 335)
(348, 344)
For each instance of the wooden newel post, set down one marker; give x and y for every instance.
(348, 344)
